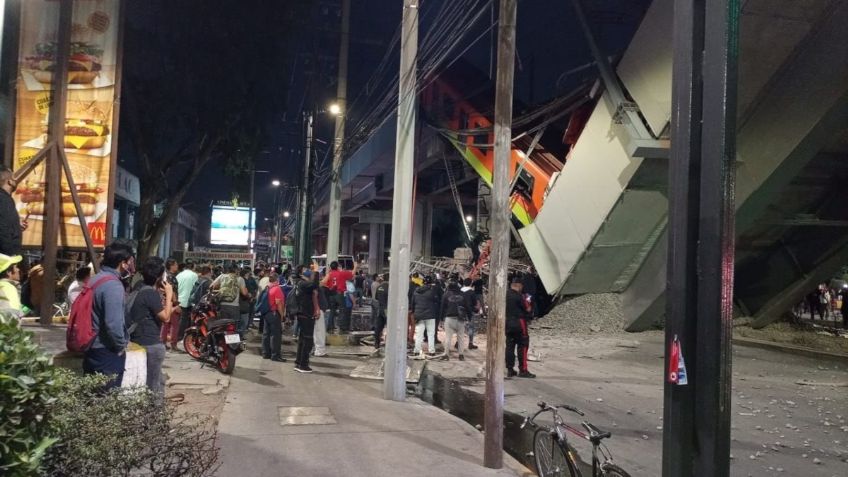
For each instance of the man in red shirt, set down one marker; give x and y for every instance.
(336, 281)
(272, 335)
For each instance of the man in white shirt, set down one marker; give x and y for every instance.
(185, 284)
(74, 290)
(263, 280)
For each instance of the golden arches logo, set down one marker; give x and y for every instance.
(97, 230)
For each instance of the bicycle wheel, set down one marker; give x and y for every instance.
(612, 470)
(551, 459)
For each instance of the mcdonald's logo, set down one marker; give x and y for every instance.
(97, 230)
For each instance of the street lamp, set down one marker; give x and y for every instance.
(275, 183)
(364, 237)
(286, 214)
(335, 109)
(469, 218)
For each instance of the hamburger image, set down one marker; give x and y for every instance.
(85, 133)
(83, 66)
(32, 195)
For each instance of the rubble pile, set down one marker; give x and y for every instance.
(591, 313)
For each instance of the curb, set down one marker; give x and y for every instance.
(791, 349)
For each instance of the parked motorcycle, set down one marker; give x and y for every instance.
(211, 338)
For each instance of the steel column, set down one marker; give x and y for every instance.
(696, 439)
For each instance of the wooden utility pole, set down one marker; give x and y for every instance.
(499, 258)
(394, 381)
(334, 224)
(696, 429)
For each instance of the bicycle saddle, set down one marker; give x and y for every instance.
(595, 434)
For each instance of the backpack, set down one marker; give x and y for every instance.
(293, 297)
(262, 305)
(458, 301)
(81, 334)
(197, 291)
(229, 290)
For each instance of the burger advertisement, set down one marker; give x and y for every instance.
(90, 112)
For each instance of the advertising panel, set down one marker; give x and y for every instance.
(230, 225)
(90, 113)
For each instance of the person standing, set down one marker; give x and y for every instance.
(320, 333)
(375, 283)
(107, 354)
(230, 287)
(272, 334)
(11, 225)
(82, 275)
(471, 296)
(170, 333)
(336, 281)
(148, 311)
(517, 337)
(307, 313)
(456, 311)
(10, 285)
(186, 280)
(379, 305)
(424, 309)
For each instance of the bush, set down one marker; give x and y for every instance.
(56, 423)
(125, 433)
(27, 392)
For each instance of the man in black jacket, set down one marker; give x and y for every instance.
(379, 304)
(11, 225)
(456, 311)
(424, 309)
(517, 335)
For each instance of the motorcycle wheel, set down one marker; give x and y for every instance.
(226, 358)
(193, 343)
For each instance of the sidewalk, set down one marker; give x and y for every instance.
(279, 422)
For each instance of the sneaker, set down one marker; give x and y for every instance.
(304, 369)
(510, 373)
(278, 359)
(472, 346)
(266, 357)
(419, 356)
(444, 357)
(318, 355)
(526, 374)
(461, 357)
(432, 355)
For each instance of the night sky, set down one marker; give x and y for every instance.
(201, 61)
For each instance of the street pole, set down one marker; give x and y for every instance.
(334, 226)
(699, 312)
(305, 200)
(250, 211)
(499, 258)
(394, 381)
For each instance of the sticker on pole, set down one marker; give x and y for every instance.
(676, 365)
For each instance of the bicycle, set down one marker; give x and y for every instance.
(553, 455)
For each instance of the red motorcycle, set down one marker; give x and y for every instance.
(211, 338)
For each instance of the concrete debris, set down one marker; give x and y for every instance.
(595, 313)
(212, 390)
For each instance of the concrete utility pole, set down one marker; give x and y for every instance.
(305, 200)
(334, 226)
(394, 381)
(701, 219)
(499, 261)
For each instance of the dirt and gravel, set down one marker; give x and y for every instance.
(592, 313)
(814, 338)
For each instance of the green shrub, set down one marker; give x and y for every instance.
(27, 392)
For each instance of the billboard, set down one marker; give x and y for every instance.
(230, 225)
(92, 76)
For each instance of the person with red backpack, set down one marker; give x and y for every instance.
(104, 294)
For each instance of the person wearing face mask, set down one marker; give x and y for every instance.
(107, 354)
(11, 225)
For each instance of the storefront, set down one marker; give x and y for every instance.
(127, 200)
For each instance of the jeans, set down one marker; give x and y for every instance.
(378, 315)
(229, 312)
(517, 338)
(305, 340)
(155, 358)
(185, 321)
(244, 321)
(469, 328)
(103, 361)
(430, 326)
(453, 326)
(320, 335)
(272, 336)
(336, 306)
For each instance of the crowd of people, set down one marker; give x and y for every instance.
(827, 302)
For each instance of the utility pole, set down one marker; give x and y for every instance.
(305, 200)
(500, 220)
(699, 312)
(394, 381)
(334, 226)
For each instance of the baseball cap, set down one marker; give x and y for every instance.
(7, 261)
